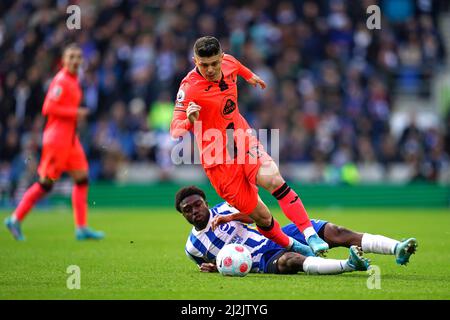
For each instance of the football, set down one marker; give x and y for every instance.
(234, 260)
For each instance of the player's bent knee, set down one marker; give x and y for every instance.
(337, 235)
(336, 230)
(269, 177)
(341, 231)
(276, 181)
(82, 181)
(290, 263)
(46, 184)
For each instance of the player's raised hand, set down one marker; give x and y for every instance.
(255, 80)
(208, 267)
(192, 111)
(218, 220)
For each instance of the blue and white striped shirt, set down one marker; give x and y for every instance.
(204, 245)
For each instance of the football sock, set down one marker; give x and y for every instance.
(274, 233)
(293, 208)
(30, 198)
(316, 265)
(378, 244)
(79, 203)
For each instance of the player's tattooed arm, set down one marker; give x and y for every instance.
(221, 219)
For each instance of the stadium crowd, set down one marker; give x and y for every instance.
(330, 79)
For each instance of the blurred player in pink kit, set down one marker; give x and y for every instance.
(61, 148)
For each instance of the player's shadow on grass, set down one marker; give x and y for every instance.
(267, 276)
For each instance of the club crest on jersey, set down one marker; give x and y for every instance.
(228, 107)
(224, 227)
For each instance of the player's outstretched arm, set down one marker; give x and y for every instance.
(221, 219)
(249, 76)
(255, 80)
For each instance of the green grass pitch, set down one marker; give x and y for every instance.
(143, 258)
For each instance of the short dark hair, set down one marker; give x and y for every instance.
(72, 45)
(207, 47)
(186, 192)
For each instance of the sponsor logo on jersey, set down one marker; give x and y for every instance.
(228, 107)
(237, 239)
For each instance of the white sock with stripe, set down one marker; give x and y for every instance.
(378, 244)
(316, 265)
